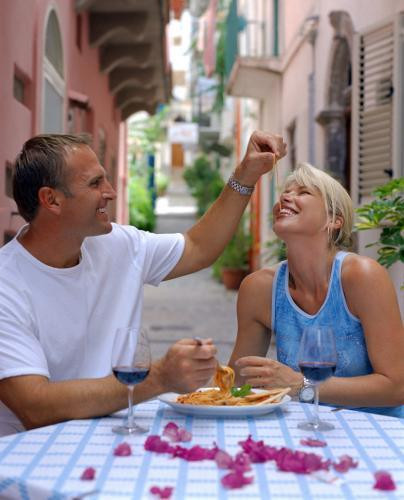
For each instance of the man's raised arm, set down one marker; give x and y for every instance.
(206, 240)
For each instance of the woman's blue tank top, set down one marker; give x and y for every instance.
(288, 322)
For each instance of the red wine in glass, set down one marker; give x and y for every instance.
(130, 361)
(317, 359)
(128, 375)
(317, 371)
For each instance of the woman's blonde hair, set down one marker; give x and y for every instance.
(337, 201)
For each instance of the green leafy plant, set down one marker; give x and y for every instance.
(141, 213)
(204, 181)
(275, 251)
(237, 251)
(162, 182)
(386, 212)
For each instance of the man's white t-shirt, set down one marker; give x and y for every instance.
(60, 323)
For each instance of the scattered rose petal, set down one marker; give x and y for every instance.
(257, 451)
(313, 442)
(300, 462)
(175, 433)
(242, 462)
(384, 481)
(161, 492)
(286, 459)
(88, 474)
(123, 450)
(235, 480)
(345, 463)
(223, 460)
(156, 444)
(193, 454)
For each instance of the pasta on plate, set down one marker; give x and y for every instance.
(222, 394)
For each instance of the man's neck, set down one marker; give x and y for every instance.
(54, 251)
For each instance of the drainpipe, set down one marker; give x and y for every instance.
(311, 34)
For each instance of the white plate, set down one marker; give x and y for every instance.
(170, 398)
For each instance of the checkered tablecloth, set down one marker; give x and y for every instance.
(47, 463)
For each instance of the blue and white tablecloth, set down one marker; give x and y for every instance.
(47, 463)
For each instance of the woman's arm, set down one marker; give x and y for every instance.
(253, 318)
(254, 315)
(371, 297)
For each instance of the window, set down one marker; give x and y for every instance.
(291, 131)
(376, 106)
(54, 85)
(78, 31)
(9, 179)
(102, 147)
(19, 89)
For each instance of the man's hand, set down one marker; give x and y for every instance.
(186, 366)
(263, 151)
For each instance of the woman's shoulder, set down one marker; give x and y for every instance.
(259, 281)
(358, 267)
(362, 279)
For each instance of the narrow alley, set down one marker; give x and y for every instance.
(195, 305)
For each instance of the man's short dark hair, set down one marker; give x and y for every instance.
(41, 163)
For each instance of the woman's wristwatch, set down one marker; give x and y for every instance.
(307, 392)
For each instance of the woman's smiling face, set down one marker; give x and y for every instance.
(301, 210)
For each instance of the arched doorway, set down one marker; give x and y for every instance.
(53, 82)
(336, 118)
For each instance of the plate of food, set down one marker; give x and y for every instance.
(225, 400)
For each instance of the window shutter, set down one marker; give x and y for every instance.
(376, 95)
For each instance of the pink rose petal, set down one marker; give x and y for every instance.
(223, 460)
(184, 435)
(88, 474)
(242, 462)
(123, 450)
(345, 463)
(286, 459)
(161, 492)
(235, 480)
(384, 481)
(175, 433)
(313, 442)
(156, 444)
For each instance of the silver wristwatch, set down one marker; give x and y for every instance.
(236, 186)
(307, 392)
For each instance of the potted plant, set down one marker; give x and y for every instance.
(233, 264)
(386, 212)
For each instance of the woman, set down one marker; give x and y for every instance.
(321, 285)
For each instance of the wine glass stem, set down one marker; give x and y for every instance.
(316, 418)
(130, 406)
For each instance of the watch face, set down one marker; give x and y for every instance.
(307, 394)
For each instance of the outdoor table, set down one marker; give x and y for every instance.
(48, 462)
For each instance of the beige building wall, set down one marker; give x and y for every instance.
(286, 102)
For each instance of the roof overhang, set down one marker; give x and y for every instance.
(255, 77)
(131, 38)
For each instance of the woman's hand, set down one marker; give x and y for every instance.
(264, 373)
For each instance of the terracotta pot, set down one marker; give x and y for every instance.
(232, 278)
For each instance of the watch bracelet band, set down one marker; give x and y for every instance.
(306, 384)
(239, 188)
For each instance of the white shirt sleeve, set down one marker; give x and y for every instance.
(155, 254)
(163, 251)
(20, 350)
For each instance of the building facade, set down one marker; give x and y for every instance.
(327, 75)
(78, 66)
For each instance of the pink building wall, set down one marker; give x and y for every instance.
(22, 41)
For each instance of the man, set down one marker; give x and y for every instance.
(70, 278)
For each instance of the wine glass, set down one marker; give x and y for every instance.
(317, 360)
(131, 360)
